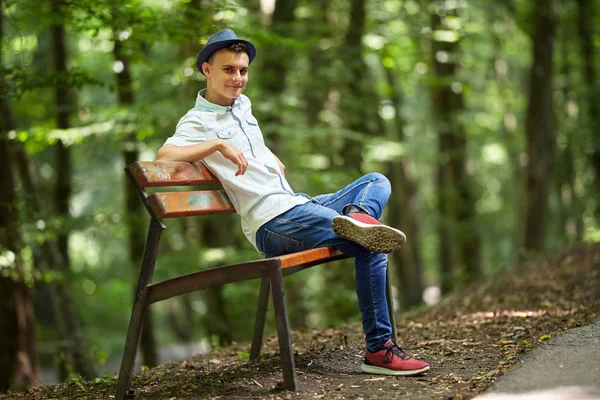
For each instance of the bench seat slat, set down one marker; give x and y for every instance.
(154, 174)
(187, 204)
(307, 256)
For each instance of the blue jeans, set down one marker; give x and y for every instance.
(308, 226)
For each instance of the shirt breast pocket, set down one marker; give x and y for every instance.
(233, 135)
(227, 133)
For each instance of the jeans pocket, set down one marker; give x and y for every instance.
(274, 244)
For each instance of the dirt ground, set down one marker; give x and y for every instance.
(470, 338)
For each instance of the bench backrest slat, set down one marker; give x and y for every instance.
(154, 174)
(186, 204)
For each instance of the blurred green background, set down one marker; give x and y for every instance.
(483, 114)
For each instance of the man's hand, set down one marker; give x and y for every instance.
(234, 155)
(281, 166)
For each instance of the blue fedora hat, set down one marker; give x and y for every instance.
(220, 40)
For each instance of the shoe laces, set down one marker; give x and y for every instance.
(392, 350)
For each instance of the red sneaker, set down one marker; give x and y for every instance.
(392, 360)
(368, 232)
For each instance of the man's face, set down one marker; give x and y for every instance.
(226, 75)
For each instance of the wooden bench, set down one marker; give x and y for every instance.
(163, 205)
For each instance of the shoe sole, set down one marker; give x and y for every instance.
(371, 369)
(375, 238)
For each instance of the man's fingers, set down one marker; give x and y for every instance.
(242, 164)
(238, 158)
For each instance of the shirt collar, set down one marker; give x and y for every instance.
(204, 105)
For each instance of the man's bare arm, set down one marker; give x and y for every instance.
(197, 152)
(281, 166)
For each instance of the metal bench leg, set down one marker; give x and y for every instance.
(283, 327)
(390, 304)
(139, 309)
(261, 315)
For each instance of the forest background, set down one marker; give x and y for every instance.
(483, 114)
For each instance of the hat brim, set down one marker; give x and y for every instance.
(207, 51)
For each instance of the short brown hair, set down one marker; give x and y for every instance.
(236, 48)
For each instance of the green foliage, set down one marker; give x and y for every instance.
(22, 81)
(307, 121)
(105, 379)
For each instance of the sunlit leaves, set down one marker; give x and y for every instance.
(116, 122)
(21, 81)
(446, 36)
(7, 259)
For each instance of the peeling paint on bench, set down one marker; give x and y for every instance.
(185, 204)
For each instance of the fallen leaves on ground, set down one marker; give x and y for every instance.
(470, 339)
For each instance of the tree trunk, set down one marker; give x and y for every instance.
(274, 71)
(54, 294)
(402, 214)
(317, 84)
(77, 351)
(195, 15)
(360, 116)
(275, 63)
(587, 11)
(18, 361)
(58, 296)
(134, 211)
(570, 224)
(211, 232)
(63, 154)
(403, 210)
(218, 325)
(459, 243)
(445, 103)
(320, 83)
(215, 233)
(539, 128)
(510, 190)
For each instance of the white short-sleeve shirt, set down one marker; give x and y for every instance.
(262, 193)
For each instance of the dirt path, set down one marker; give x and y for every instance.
(470, 339)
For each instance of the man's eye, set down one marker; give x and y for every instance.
(244, 71)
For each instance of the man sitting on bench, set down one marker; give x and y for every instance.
(222, 132)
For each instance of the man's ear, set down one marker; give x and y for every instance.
(205, 68)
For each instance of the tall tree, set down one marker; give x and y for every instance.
(317, 85)
(585, 23)
(403, 204)
(539, 128)
(214, 234)
(18, 360)
(64, 109)
(274, 70)
(194, 14)
(508, 126)
(570, 225)
(459, 243)
(77, 352)
(275, 65)
(134, 211)
(360, 116)
(209, 232)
